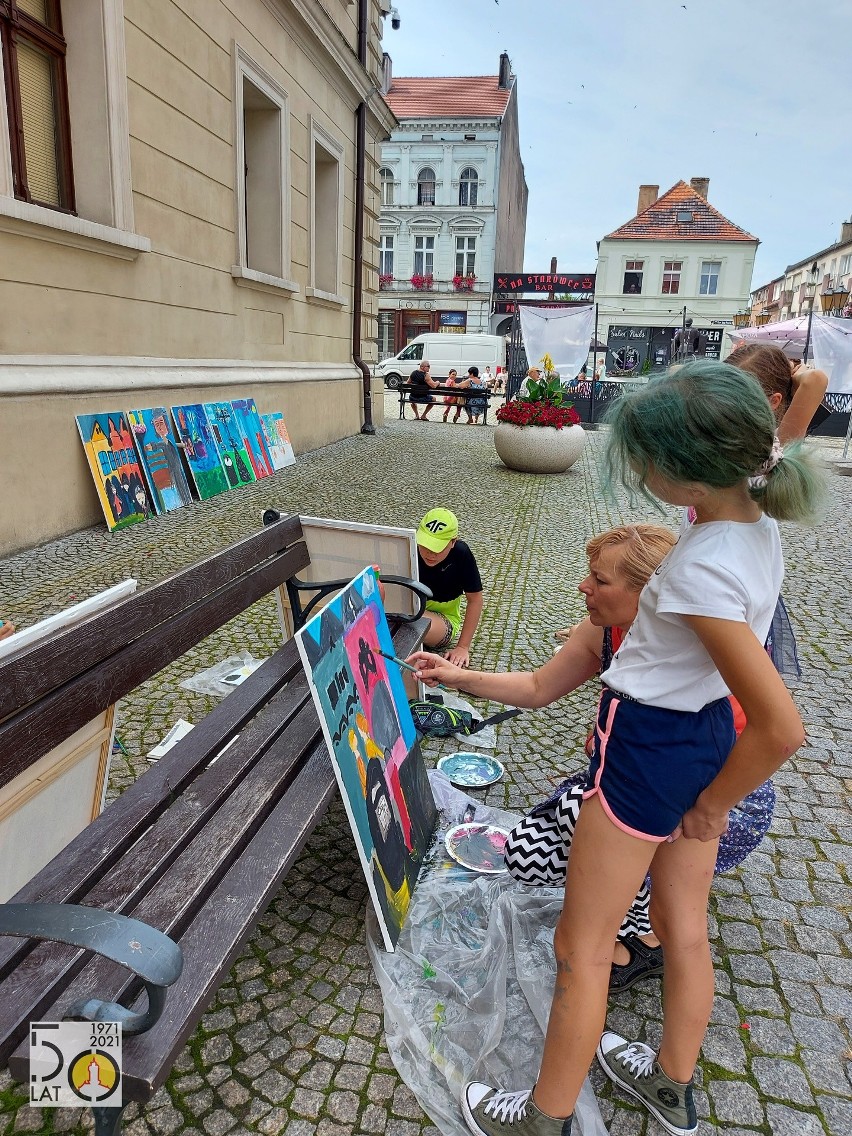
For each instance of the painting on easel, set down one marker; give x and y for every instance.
(250, 430)
(159, 458)
(118, 479)
(367, 723)
(278, 440)
(200, 449)
(235, 458)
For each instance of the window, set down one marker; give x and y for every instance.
(684, 216)
(412, 351)
(386, 335)
(468, 186)
(427, 137)
(708, 284)
(671, 277)
(263, 181)
(633, 277)
(424, 256)
(470, 137)
(326, 213)
(386, 255)
(465, 256)
(845, 263)
(37, 102)
(426, 186)
(386, 180)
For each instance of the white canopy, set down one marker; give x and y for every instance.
(831, 343)
(561, 333)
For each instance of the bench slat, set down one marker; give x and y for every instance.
(167, 893)
(34, 671)
(26, 736)
(216, 938)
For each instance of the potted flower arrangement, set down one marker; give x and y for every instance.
(540, 432)
(385, 279)
(422, 282)
(464, 283)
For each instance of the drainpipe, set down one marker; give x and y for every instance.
(358, 257)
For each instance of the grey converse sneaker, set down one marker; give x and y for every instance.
(491, 1113)
(634, 1067)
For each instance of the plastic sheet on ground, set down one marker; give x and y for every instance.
(219, 680)
(467, 991)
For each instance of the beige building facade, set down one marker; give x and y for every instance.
(182, 226)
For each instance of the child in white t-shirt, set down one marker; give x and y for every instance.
(666, 768)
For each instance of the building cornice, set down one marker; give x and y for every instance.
(415, 125)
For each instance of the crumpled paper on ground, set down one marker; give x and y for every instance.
(467, 991)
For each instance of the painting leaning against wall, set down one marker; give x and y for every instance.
(235, 457)
(278, 440)
(159, 458)
(367, 723)
(200, 449)
(250, 430)
(118, 479)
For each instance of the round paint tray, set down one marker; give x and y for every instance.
(471, 770)
(478, 847)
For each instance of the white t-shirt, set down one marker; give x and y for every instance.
(722, 569)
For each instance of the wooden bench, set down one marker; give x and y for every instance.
(406, 390)
(196, 848)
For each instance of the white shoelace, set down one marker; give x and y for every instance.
(638, 1059)
(508, 1107)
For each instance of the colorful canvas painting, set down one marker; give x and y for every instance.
(159, 458)
(118, 479)
(200, 450)
(278, 440)
(235, 457)
(370, 734)
(250, 431)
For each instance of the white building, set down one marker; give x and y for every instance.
(678, 259)
(454, 203)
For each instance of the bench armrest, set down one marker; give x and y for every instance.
(147, 952)
(300, 614)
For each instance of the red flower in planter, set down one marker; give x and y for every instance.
(385, 279)
(464, 283)
(421, 283)
(520, 413)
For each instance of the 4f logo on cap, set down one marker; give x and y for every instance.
(436, 526)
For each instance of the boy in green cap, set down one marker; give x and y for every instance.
(448, 568)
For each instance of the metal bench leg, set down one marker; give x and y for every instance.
(108, 1120)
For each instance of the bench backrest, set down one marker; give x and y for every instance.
(52, 689)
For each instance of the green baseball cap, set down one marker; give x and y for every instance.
(437, 529)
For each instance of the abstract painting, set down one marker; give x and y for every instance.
(235, 457)
(200, 449)
(370, 735)
(278, 440)
(112, 460)
(250, 431)
(159, 457)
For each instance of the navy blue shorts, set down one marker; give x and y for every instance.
(649, 764)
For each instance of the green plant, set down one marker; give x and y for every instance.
(548, 388)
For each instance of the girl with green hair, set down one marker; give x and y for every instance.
(667, 766)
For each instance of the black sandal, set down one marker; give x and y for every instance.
(644, 962)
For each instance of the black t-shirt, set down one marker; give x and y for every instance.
(449, 579)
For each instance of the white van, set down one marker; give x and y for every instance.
(444, 351)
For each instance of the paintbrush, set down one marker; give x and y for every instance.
(407, 667)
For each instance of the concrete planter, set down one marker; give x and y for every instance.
(538, 449)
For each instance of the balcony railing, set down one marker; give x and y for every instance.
(442, 286)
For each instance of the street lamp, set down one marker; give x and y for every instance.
(834, 301)
(810, 296)
(742, 318)
(762, 317)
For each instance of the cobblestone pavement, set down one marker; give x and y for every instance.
(293, 1041)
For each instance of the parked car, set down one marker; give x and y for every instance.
(444, 351)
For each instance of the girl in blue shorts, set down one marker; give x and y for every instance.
(666, 768)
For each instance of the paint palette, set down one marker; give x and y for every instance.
(471, 770)
(478, 847)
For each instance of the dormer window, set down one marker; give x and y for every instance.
(684, 216)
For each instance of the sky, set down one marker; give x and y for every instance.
(754, 94)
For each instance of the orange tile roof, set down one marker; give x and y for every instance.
(446, 97)
(659, 221)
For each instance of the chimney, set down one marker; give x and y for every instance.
(504, 75)
(846, 231)
(648, 194)
(387, 73)
(701, 185)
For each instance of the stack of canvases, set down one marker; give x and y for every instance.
(135, 456)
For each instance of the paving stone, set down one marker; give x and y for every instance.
(781, 1080)
(218, 1123)
(723, 1046)
(816, 1033)
(736, 1102)
(785, 1121)
(770, 1035)
(837, 1113)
